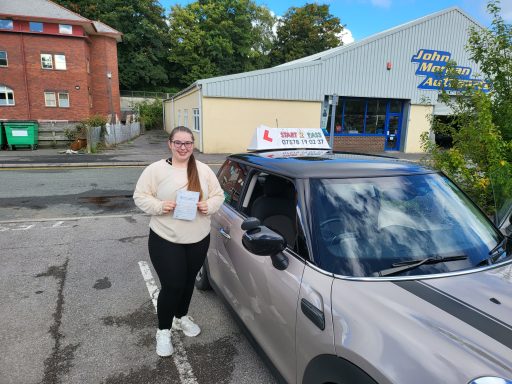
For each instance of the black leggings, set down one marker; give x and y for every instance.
(177, 266)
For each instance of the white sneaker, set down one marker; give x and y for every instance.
(187, 325)
(164, 346)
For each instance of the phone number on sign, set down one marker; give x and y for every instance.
(303, 141)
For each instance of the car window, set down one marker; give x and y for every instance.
(231, 178)
(273, 200)
(364, 226)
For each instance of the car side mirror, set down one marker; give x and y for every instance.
(262, 241)
(250, 223)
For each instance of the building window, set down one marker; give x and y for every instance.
(363, 116)
(6, 24)
(6, 95)
(46, 61)
(63, 99)
(197, 124)
(3, 59)
(49, 99)
(60, 62)
(185, 118)
(35, 26)
(65, 29)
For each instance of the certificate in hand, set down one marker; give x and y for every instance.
(186, 205)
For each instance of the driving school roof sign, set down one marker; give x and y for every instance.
(432, 64)
(266, 138)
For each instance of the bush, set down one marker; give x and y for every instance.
(150, 114)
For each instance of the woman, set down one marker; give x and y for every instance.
(177, 247)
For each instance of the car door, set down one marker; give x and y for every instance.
(264, 297)
(231, 177)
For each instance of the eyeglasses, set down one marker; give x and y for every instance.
(186, 144)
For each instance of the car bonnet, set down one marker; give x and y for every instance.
(449, 329)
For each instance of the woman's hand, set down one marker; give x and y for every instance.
(168, 206)
(202, 206)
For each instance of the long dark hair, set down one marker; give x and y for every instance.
(192, 173)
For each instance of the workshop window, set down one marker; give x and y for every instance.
(197, 123)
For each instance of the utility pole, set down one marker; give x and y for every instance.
(112, 119)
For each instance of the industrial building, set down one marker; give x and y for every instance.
(386, 88)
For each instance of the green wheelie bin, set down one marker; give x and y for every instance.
(3, 140)
(21, 133)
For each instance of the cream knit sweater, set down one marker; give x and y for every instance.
(160, 181)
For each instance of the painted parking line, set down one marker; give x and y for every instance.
(180, 355)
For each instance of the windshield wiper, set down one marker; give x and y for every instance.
(495, 253)
(403, 266)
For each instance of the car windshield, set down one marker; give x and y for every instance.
(364, 226)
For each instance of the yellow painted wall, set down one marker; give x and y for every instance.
(187, 101)
(418, 123)
(228, 124)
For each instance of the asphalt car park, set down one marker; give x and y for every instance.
(346, 268)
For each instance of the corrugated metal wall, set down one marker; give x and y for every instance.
(358, 70)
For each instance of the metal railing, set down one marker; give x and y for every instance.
(145, 95)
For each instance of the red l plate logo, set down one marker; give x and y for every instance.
(266, 136)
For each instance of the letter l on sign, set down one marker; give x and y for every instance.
(266, 136)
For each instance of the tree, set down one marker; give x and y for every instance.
(218, 37)
(304, 31)
(480, 159)
(491, 49)
(142, 55)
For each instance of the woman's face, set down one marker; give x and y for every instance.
(181, 146)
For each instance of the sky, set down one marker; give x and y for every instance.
(364, 18)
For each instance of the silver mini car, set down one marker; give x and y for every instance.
(348, 268)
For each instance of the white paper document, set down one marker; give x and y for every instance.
(186, 205)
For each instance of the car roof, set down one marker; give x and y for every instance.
(326, 164)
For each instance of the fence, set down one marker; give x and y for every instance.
(115, 134)
(146, 95)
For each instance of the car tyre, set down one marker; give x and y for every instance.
(202, 282)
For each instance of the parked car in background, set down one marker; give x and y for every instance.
(348, 268)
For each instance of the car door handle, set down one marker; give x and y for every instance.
(224, 233)
(313, 313)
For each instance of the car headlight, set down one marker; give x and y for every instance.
(490, 380)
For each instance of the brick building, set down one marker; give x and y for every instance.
(55, 65)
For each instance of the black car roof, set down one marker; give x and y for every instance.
(301, 165)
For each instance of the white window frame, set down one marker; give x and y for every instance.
(6, 59)
(66, 29)
(66, 98)
(47, 55)
(185, 118)
(60, 63)
(7, 91)
(46, 99)
(197, 121)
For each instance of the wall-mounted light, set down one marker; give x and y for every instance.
(109, 75)
(389, 65)
(77, 87)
